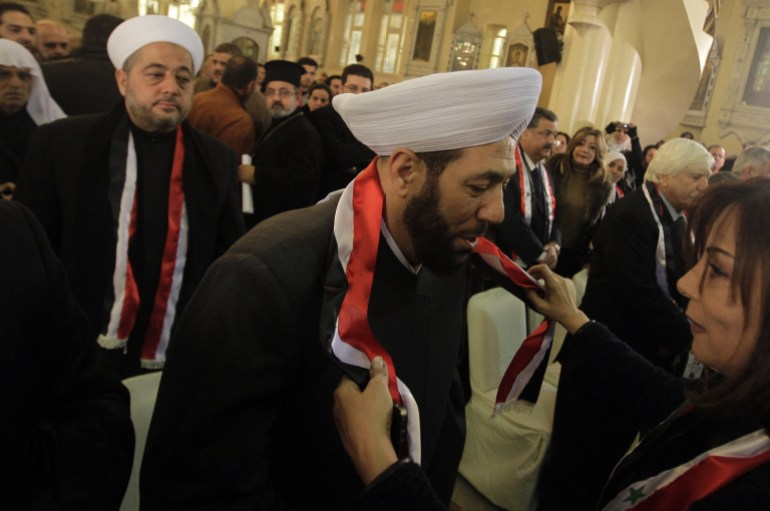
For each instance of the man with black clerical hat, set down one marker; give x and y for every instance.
(287, 159)
(243, 418)
(136, 202)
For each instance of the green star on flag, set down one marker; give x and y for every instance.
(634, 494)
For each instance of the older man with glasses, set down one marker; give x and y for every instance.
(287, 159)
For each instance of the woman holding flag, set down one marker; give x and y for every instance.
(707, 446)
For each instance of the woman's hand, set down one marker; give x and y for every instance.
(559, 302)
(363, 422)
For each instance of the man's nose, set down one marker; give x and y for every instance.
(492, 209)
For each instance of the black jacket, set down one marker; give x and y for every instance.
(65, 436)
(84, 84)
(288, 161)
(244, 410)
(344, 155)
(66, 183)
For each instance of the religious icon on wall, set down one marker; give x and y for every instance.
(757, 91)
(556, 17)
(423, 43)
(517, 55)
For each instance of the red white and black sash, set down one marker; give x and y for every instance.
(681, 486)
(125, 307)
(525, 187)
(357, 226)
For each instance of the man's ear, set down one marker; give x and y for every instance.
(406, 171)
(120, 77)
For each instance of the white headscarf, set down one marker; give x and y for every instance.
(140, 31)
(615, 155)
(40, 106)
(444, 110)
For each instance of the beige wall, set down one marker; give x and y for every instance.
(729, 30)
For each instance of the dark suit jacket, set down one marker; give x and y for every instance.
(344, 155)
(288, 162)
(622, 291)
(244, 407)
(66, 183)
(65, 436)
(85, 84)
(513, 235)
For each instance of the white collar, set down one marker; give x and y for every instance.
(397, 251)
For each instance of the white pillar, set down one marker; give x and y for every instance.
(577, 89)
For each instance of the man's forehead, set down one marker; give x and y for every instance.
(17, 18)
(221, 56)
(13, 68)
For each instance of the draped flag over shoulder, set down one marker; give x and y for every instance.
(357, 234)
(683, 485)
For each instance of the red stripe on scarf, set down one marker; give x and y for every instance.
(353, 318)
(702, 480)
(534, 342)
(168, 263)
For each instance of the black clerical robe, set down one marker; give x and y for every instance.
(244, 411)
(67, 182)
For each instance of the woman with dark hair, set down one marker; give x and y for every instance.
(582, 191)
(705, 444)
(318, 95)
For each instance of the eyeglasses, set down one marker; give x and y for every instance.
(283, 93)
(7, 74)
(52, 45)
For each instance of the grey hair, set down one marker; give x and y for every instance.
(678, 155)
(754, 157)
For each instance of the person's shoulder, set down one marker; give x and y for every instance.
(296, 239)
(632, 209)
(12, 212)
(325, 114)
(76, 124)
(207, 143)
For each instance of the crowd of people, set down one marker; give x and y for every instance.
(261, 233)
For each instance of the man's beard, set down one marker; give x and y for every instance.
(429, 232)
(277, 111)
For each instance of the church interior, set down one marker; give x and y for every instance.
(669, 67)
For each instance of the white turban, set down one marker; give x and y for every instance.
(40, 106)
(140, 31)
(444, 110)
(615, 155)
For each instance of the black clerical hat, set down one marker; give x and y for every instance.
(284, 71)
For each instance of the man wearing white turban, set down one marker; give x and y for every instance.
(24, 104)
(136, 202)
(243, 417)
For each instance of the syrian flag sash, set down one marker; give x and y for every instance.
(125, 307)
(525, 186)
(357, 225)
(682, 486)
(523, 378)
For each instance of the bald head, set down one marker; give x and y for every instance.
(52, 41)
